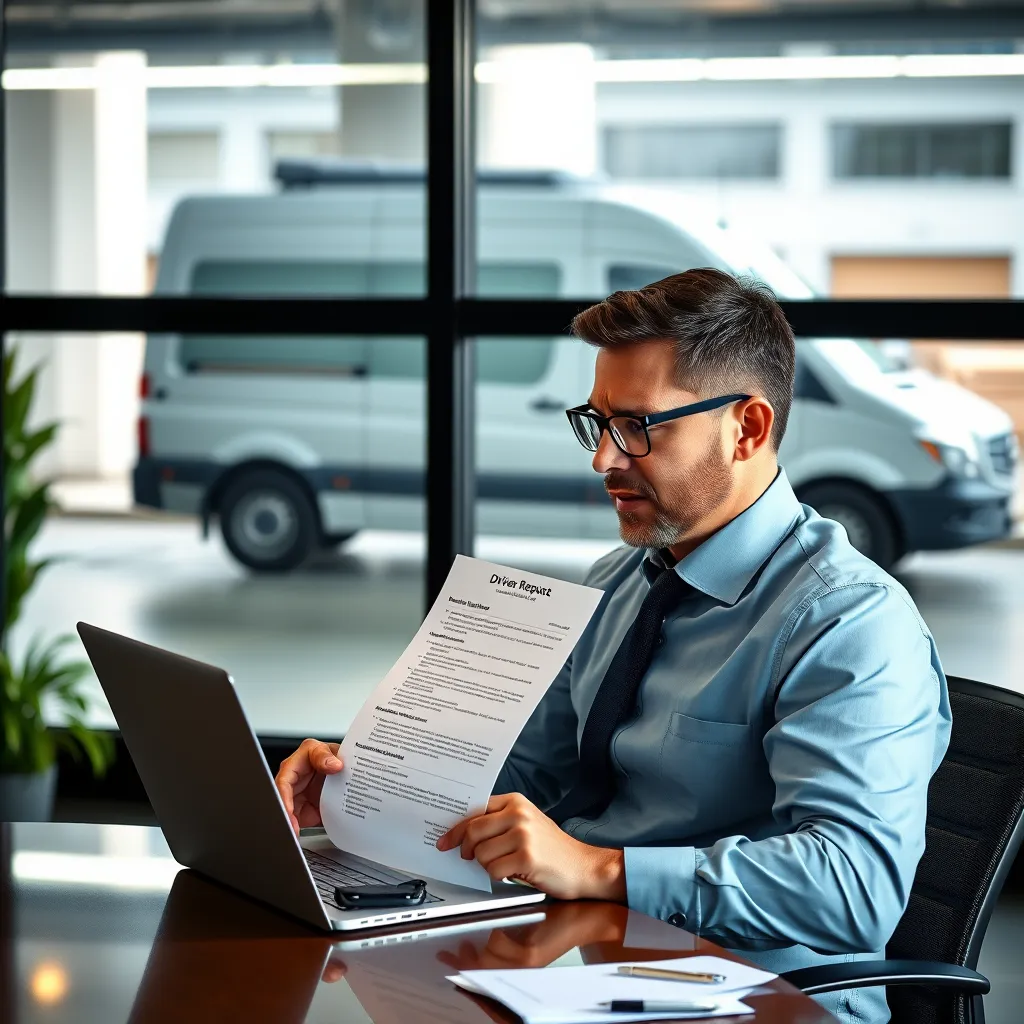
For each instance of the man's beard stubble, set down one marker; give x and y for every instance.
(681, 506)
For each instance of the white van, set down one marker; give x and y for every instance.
(298, 442)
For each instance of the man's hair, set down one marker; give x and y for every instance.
(729, 333)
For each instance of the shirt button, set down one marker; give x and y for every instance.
(660, 640)
(677, 919)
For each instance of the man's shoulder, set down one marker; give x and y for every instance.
(819, 565)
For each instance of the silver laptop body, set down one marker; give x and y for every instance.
(215, 799)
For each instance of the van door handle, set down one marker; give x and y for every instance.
(546, 404)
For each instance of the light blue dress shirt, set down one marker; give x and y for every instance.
(770, 794)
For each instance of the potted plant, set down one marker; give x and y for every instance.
(42, 676)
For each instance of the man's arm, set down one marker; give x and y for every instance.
(543, 762)
(861, 722)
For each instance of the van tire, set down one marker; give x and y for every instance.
(268, 521)
(865, 516)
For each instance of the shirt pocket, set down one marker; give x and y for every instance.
(700, 730)
(711, 766)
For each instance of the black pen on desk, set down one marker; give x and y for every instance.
(657, 1006)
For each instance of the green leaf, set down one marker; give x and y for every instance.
(17, 402)
(38, 440)
(28, 516)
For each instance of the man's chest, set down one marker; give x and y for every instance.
(703, 705)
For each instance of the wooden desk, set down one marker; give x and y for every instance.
(97, 923)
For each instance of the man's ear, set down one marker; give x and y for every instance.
(755, 418)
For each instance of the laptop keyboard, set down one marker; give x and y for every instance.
(328, 873)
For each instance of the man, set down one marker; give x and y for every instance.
(742, 740)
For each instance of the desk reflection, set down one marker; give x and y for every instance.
(403, 978)
(218, 956)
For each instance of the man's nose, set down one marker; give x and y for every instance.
(608, 455)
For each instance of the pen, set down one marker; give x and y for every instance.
(657, 1006)
(700, 977)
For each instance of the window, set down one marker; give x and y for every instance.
(921, 150)
(505, 361)
(693, 151)
(630, 276)
(174, 157)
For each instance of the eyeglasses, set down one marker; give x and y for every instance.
(629, 433)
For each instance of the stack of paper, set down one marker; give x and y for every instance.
(572, 995)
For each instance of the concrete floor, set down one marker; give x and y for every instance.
(306, 649)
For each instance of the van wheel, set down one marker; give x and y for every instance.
(267, 520)
(868, 523)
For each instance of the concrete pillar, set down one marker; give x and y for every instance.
(382, 122)
(538, 108)
(805, 175)
(77, 196)
(121, 212)
(120, 173)
(28, 146)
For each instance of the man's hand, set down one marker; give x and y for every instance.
(514, 839)
(301, 778)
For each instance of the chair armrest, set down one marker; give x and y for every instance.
(864, 973)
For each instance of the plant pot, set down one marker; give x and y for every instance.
(28, 797)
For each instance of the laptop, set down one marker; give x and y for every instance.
(215, 799)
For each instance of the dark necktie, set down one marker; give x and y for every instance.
(616, 700)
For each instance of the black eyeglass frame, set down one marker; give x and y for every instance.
(651, 420)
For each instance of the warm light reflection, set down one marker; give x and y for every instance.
(48, 982)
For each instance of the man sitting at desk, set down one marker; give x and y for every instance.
(742, 740)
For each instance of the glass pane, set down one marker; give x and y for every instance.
(755, 140)
(141, 143)
(310, 583)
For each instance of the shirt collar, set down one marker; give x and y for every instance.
(727, 561)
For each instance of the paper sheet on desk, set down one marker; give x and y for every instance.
(572, 994)
(426, 747)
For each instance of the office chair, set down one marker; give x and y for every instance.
(973, 830)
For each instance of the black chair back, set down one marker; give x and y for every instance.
(974, 828)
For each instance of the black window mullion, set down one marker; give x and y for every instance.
(191, 314)
(949, 319)
(450, 486)
(965, 320)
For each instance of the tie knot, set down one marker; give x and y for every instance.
(668, 590)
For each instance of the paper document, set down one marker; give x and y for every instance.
(572, 995)
(426, 747)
